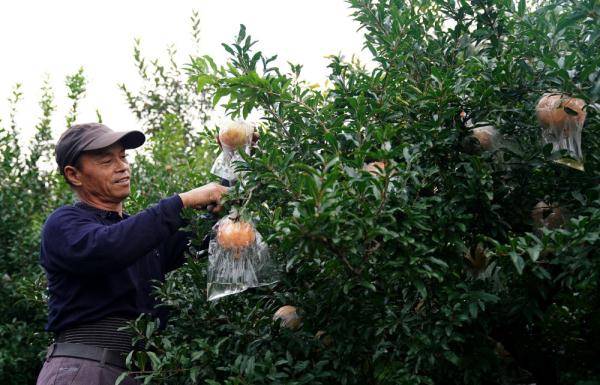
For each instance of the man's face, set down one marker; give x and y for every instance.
(104, 174)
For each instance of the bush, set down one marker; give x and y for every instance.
(434, 271)
(28, 195)
(174, 159)
(431, 272)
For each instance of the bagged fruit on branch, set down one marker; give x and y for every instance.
(233, 137)
(375, 168)
(550, 216)
(561, 118)
(289, 316)
(381, 170)
(487, 136)
(238, 258)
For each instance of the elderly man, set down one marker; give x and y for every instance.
(99, 261)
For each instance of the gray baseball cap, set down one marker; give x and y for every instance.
(91, 136)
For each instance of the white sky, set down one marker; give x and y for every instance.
(57, 37)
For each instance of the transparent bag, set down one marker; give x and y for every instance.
(238, 258)
(489, 138)
(233, 137)
(561, 118)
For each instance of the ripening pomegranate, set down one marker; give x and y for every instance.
(549, 216)
(236, 135)
(375, 168)
(289, 317)
(487, 137)
(324, 338)
(561, 118)
(560, 111)
(235, 235)
(477, 257)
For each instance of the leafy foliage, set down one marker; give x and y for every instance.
(28, 195)
(174, 160)
(433, 271)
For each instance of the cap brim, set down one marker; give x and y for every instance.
(129, 139)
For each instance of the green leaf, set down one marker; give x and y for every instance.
(368, 285)
(522, 7)
(128, 359)
(218, 95)
(473, 309)
(241, 34)
(534, 252)
(228, 49)
(121, 377)
(421, 288)
(211, 62)
(194, 373)
(201, 81)
(153, 360)
(452, 357)
(150, 327)
(248, 106)
(387, 234)
(517, 261)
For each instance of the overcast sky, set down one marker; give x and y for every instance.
(59, 36)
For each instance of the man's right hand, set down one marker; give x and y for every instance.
(203, 197)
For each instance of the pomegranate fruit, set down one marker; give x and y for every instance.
(549, 216)
(288, 315)
(561, 118)
(236, 135)
(558, 110)
(235, 234)
(476, 255)
(375, 168)
(324, 338)
(487, 137)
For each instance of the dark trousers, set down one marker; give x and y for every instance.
(79, 371)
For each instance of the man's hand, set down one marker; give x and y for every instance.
(203, 197)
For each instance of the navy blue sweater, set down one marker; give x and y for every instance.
(99, 264)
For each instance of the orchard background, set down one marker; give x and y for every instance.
(432, 272)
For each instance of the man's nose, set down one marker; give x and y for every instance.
(122, 165)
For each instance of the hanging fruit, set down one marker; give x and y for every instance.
(289, 317)
(236, 135)
(548, 216)
(487, 137)
(561, 118)
(375, 168)
(235, 234)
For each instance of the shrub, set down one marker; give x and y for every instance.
(432, 271)
(29, 193)
(174, 159)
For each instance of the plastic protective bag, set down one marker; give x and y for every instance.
(238, 258)
(378, 170)
(233, 137)
(562, 118)
(489, 138)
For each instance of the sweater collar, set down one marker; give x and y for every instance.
(109, 214)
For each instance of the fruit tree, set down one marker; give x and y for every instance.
(430, 270)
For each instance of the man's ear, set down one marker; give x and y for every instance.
(73, 175)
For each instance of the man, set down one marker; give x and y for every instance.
(99, 261)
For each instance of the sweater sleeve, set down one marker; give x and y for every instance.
(77, 243)
(173, 250)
